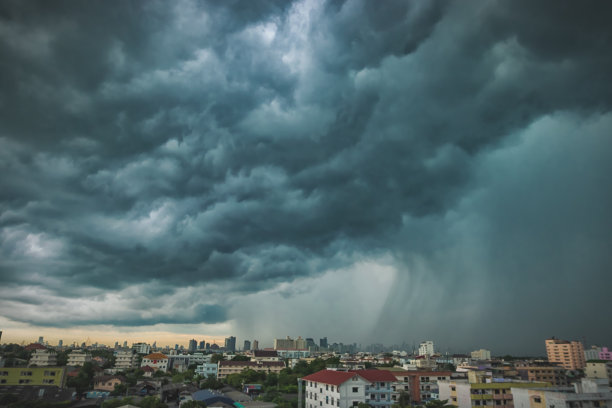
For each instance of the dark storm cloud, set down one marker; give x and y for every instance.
(249, 144)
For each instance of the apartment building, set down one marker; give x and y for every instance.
(126, 359)
(330, 388)
(586, 394)
(157, 361)
(569, 354)
(481, 354)
(78, 358)
(206, 370)
(426, 348)
(43, 358)
(599, 370)
(226, 368)
(482, 390)
(33, 376)
(422, 386)
(543, 373)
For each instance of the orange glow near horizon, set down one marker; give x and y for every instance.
(106, 337)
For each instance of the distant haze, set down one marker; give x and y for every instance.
(367, 171)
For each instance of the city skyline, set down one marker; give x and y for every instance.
(367, 172)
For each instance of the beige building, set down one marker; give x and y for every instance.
(586, 394)
(108, 382)
(156, 361)
(599, 370)
(543, 373)
(43, 358)
(226, 368)
(569, 354)
(78, 358)
(290, 344)
(481, 354)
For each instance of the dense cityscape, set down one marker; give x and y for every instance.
(305, 204)
(301, 373)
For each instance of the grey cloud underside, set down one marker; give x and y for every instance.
(184, 143)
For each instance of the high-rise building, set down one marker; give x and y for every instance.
(41, 340)
(426, 348)
(247, 345)
(202, 345)
(60, 344)
(323, 342)
(569, 354)
(193, 344)
(230, 343)
(255, 345)
(310, 343)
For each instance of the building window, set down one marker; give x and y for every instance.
(332, 388)
(326, 387)
(25, 381)
(355, 403)
(537, 400)
(26, 373)
(355, 389)
(3, 381)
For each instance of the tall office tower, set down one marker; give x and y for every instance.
(426, 348)
(193, 344)
(323, 342)
(202, 345)
(125, 344)
(41, 340)
(247, 345)
(60, 344)
(570, 354)
(0, 335)
(116, 345)
(230, 343)
(310, 343)
(255, 345)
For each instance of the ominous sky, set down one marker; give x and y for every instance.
(366, 171)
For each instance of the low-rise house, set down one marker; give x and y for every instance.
(108, 382)
(265, 355)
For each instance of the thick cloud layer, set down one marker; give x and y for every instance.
(201, 163)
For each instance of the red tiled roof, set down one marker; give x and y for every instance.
(375, 375)
(251, 363)
(156, 356)
(418, 373)
(147, 369)
(35, 346)
(330, 377)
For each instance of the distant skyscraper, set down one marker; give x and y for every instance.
(192, 345)
(310, 343)
(247, 345)
(230, 343)
(202, 345)
(116, 344)
(255, 345)
(125, 344)
(323, 342)
(41, 340)
(60, 344)
(0, 335)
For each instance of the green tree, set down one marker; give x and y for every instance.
(151, 402)
(193, 404)
(438, 404)
(216, 358)
(240, 357)
(120, 389)
(403, 399)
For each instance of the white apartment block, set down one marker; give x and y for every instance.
(156, 361)
(207, 370)
(125, 359)
(426, 348)
(78, 358)
(43, 358)
(344, 389)
(141, 348)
